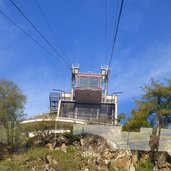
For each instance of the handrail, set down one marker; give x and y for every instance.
(60, 119)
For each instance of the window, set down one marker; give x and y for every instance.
(89, 82)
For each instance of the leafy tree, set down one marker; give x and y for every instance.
(153, 108)
(12, 101)
(121, 117)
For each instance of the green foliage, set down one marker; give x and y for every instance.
(71, 138)
(145, 165)
(11, 165)
(70, 160)
(119, 169)
(121, 117)
(38, 126)
(34, 153)
(12, 101)
(156, 100)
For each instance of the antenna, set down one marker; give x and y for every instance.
(75, 72)
(105, 74)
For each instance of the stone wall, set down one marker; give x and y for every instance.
(123, 140)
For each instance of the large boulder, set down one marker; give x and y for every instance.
(164, 161)
(122, 159)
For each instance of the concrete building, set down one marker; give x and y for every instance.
(88, 100)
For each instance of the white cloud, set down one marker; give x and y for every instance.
(135, 71)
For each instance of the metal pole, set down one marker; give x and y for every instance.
(55, 129)
(116, 110)
(128, 139)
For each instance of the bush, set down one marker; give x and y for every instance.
(145, 165)
(71, 138)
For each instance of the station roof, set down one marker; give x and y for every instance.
(54, 94)
(89, 75)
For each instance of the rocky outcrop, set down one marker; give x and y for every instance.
(104, 156)
(95, 153)
(45, 163)
(164, 161)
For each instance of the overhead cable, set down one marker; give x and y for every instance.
(37, 30)
(105, 30)
(28, 35)
(48, 24)
(116, 32)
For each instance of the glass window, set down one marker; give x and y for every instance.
(89, 82)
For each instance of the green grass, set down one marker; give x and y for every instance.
(70, 160)
(120, 169)
(33, 153)
(12, 166)
(145, 165)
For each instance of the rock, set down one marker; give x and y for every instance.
(102, 164)
(135, 156)
(87, 154)
(27, 163)
(82, 142)
(108, 154)
(163, 158)
(122, 160)
(50, 163)
(33, 169)
(48, 159)
(57, 148)
(60, 140)
(50, 146)
(155, 168)
(145, 156)
(107, 162)
(54, 162)
(63, 147)
(131, 167)
(47, 167)
(86, 169)
(164, 161)
(77, 145)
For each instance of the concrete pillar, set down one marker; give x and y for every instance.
(76, 112)
(98, 112)
(116, 109)
(72, 94)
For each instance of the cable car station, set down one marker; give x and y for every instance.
(88, 100)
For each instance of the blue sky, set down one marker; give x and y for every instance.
(143, 46)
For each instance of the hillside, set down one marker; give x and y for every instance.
(82, 153)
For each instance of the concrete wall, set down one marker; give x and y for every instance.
(122, 140)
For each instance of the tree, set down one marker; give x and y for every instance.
(121, 117)
(12, 101)
(153, 108)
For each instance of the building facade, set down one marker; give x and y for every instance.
(88, 100)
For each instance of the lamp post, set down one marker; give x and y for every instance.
(57, 111)
(75, 72)
(114, 94)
